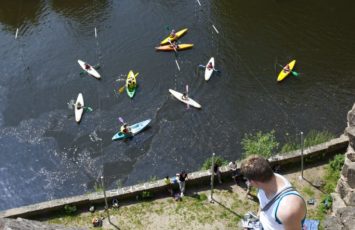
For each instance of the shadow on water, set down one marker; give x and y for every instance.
(17, 13)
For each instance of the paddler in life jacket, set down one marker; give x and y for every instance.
(132, 82)
(87, 66)
(126, 130)
(210, 66)
(173, 34)
(79, 106)
(287, 69)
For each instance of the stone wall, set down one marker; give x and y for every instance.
(19, 223)
(196, 179)
(343, 210)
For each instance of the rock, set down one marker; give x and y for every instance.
(318, 183)
(332, 223)
(350, 132)
(351, 117)
(346, 215)
(337, 202)
(19, 223)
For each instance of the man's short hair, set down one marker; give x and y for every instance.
(257, 168)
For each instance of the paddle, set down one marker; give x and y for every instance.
(121, 89)
(187, 93)
(203, 66)
(121, 120)
(294, 73)
(172, 45)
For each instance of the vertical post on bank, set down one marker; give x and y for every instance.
(106, 204)
(212, 177)
(302, 145)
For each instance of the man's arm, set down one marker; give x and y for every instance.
(292, 210)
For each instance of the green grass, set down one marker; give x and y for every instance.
(313, 137)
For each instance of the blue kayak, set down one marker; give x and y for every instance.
(136, 128)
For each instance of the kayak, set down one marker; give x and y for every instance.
(169, 48)
(186, 101)
(130, 90)
(136, 128)
(92, 71)
(79, 112)
(208, 72)
(283, 74)
(178, 35)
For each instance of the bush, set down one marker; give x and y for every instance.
(333, 173)
(313, 137)
(69, 209)
(263, 144)
(217, 160)
(317, 137)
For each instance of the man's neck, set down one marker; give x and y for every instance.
(272, 187)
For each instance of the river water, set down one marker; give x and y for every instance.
(45, 155)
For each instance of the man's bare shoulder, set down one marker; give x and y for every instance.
(291, 211)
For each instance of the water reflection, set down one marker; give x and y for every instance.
(83, 11)
(17, 13)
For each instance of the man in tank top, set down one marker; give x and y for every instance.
(281, 207)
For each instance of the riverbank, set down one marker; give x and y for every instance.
(195, 211)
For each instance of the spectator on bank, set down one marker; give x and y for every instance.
(217, 171)
(234, 168)
(97, 221)
(182, 178)
(281, 206)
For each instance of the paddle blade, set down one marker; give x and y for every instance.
(201, 66)
(294, 73)
(121, 119)
(121, 89)
(71, 104)
(88, 109)
(187, 89)
(136, 74)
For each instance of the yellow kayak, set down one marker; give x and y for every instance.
(286, 71)
(178, 35)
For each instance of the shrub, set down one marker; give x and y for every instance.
(217, 160)
(263, 144)
(333, 173)
(313, 137)
(69, 209)
(317, 137)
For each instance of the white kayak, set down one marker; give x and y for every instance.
(208, 72)
(92, 71)
(186, 101)
(79, 112)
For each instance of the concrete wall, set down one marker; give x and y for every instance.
(334, 146)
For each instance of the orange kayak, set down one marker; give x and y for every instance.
(169, 48)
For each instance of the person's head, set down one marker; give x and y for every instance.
(256, 168)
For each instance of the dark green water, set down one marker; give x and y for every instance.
(44, 154)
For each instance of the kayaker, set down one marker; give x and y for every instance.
(210, 66)
(125, 129)
(287, 68)
(184, 96)
(87, 66)
(173, 33)
(131, 82)
(78, 105)
(174, 45)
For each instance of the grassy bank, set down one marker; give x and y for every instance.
(195, 211)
